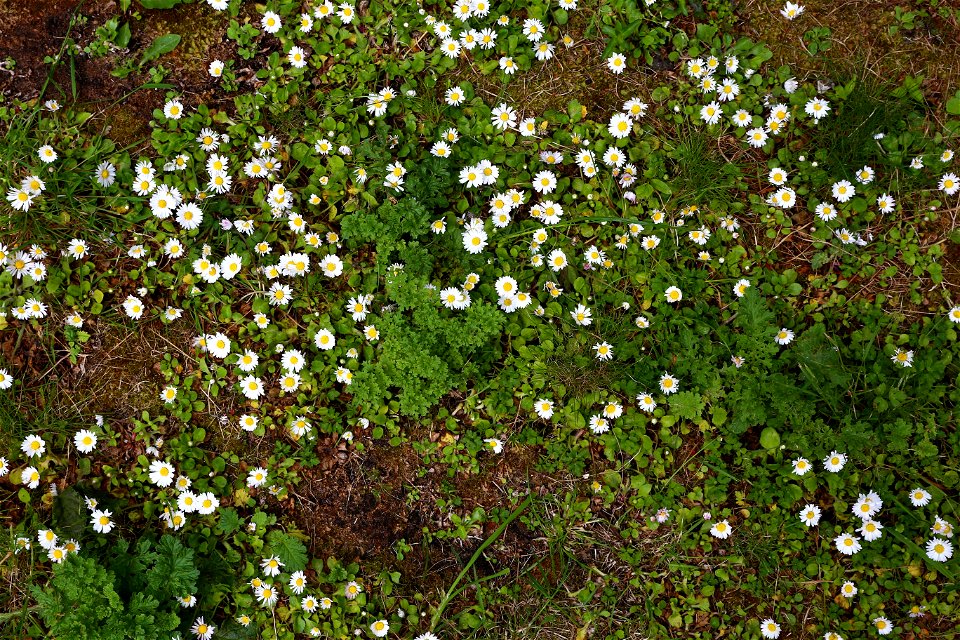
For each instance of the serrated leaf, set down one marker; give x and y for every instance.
(69, 513)
(292, 552)
(173, 573)
(687, 405)
(229, 521)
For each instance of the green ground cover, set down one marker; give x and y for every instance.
(581, 319)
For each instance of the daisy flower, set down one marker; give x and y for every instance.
(173, 109)
(740, 288)
(271, 22)
(257, 477)
(503, 117)
(604, 351)
(791, 10)
(454, 96)
(351, 590)
(883, 625)
(202, 630)
(886, 203)
(669, 384)
(902, 358)
(870, 530)
(646, 402)
(939, 550)
(620, 125)
(843, 191)
(47, 154)
(297, 57)
(557, 260)
(721, 530)
(85, 441)
(810, 515)
(865, 175)
(711, 113)
(920, 497)
(494, 444)
(817, 108)
(33, 446)
(617, 62)
(949, 184)
(847, 544)
(271, 566)
(581, 315)
(784, 336)
(770, 629)
(20, 199)
(30, 477)
(161, 473)
(756, 137)
(544, 408)
(834, 462)
(101, 521)
(533, 29)
(801, 466)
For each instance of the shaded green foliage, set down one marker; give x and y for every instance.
(425, 350)
(134, 598)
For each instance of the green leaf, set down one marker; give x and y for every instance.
(661, 186)
(123, 36)
(575, 111)
(953, 104)
(719, 415)
(705, 33)
(292, 552)
(229, 521)
(687, 405)
(769, 438)
(232, 630)
(161, 45)
(69, 513)
(174, 572)
(159, 4)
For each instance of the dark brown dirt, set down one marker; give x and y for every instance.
(29, 32)
(358, 506)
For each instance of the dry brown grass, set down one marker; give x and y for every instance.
(861, 35)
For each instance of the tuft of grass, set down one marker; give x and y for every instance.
(845, 141)
(19, 418)
(70, 206)
(701, 173)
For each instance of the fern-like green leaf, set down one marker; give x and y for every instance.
(292, 552)
(174, 572)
